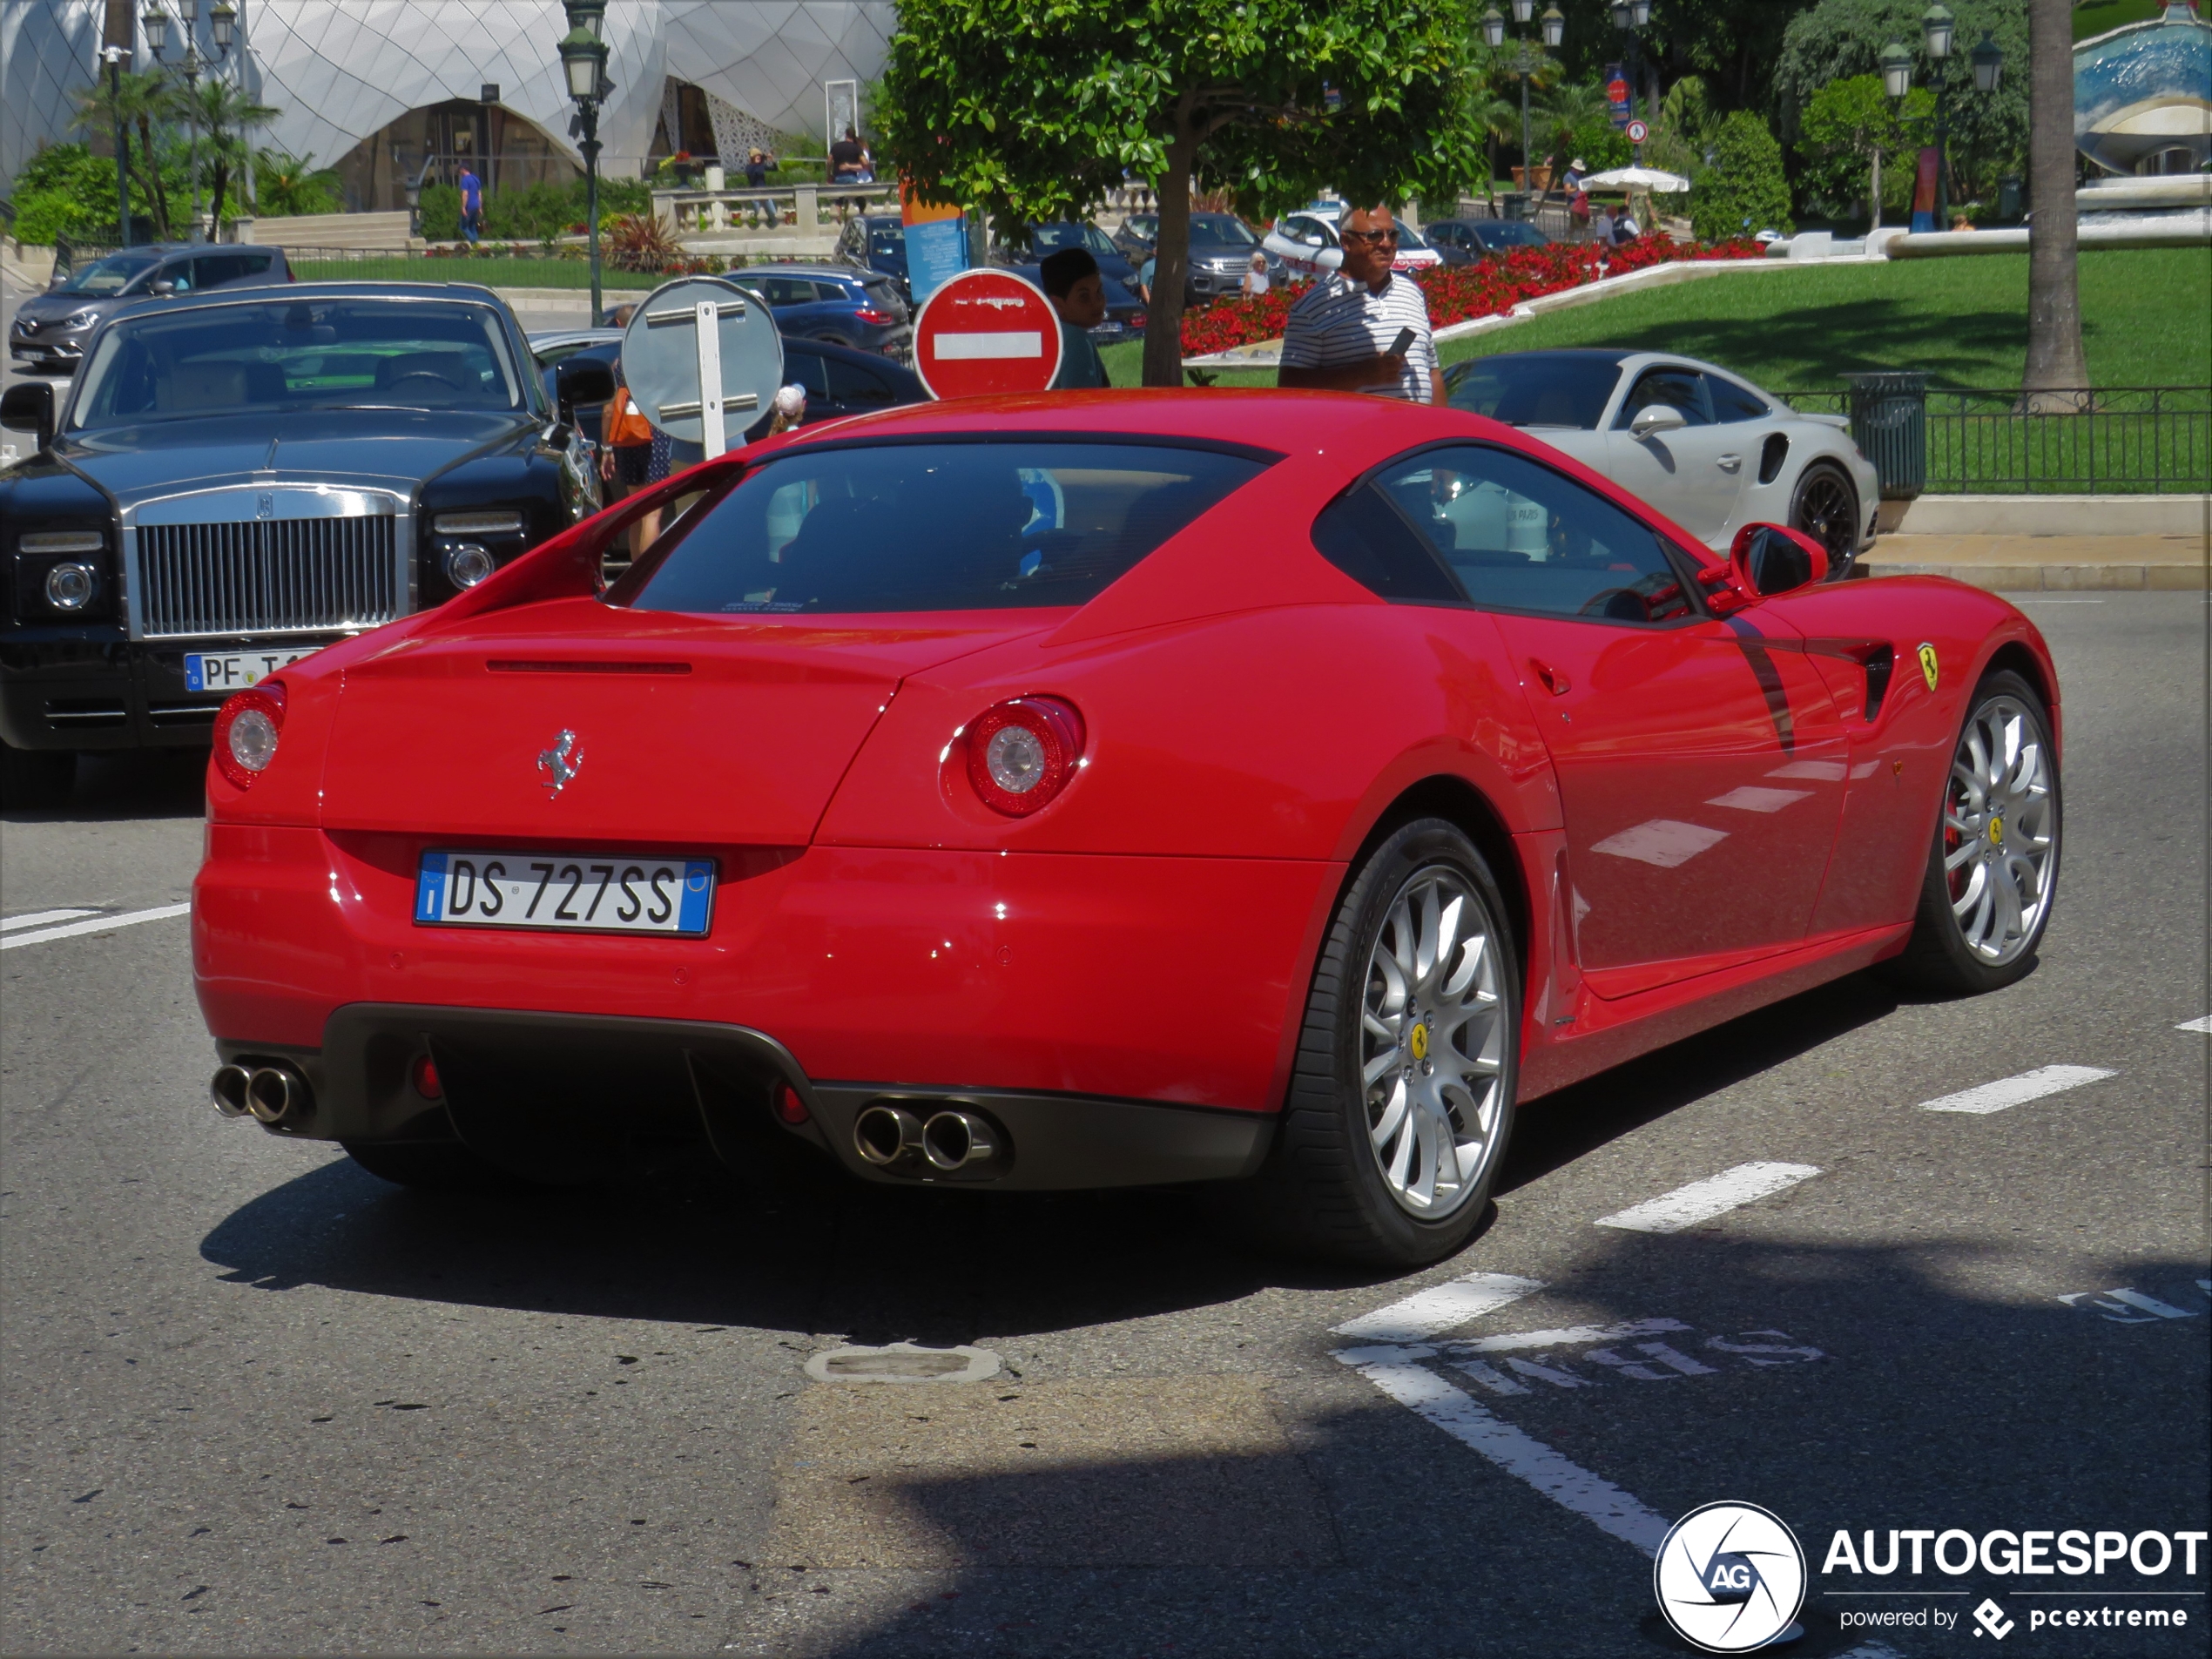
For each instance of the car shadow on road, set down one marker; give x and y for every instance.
(126, 786)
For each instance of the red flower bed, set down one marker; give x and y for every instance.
(1485, 289)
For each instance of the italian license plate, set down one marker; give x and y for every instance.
(594, 893)
(233, 670)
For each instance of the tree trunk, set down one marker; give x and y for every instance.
(152, 179)
(2055, 362)
(1874, 200)
(222, 180)
(1172, 259)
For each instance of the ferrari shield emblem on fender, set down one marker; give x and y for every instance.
(1928, 665)
(556, 765)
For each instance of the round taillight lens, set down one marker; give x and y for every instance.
(246, 731)
(1021, 753)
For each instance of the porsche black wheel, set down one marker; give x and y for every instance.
(1402, 1101)
(1825, 506)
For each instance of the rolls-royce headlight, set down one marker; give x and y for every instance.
(484, 523)
(70, 586)
(467, 564)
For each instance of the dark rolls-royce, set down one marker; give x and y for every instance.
(236, 480)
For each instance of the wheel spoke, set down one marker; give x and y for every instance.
(1393, 1116)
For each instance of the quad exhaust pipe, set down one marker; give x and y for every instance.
(271, 1094)
(889, 1136)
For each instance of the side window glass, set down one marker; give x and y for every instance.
(212, 271)
(1734, 402)
(1683, 388)
(804, 368)
(786, 291)
(851, 384)
(1363, 536)
(180, 276)
(1519, 536)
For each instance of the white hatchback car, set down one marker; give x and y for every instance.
(1306, 244)
(1709, 450)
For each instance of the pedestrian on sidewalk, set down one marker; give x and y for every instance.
(1078, 294)
(472, 206)
(1343, 334)
(1255, 282)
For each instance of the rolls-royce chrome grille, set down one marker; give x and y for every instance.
(268, 575)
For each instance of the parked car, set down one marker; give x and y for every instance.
(837, 303)
(1137, 236)
(51, 329)
(878, 242)
(1476, 237)
(839, 381)
(1222, 246)
(1124, 300)
(237, 478)
(1705, 447)
(1306, 244)
(894, 813)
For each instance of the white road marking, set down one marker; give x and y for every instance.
(1702, 1200)
(1572, 1336)
(1752, 798)
(1597, 1500)
(97, 924)
(1665, 842)
(2016, 1091)
(39, 919)
(2203, 1025)
(1439, 1308)
(948, 348)
(2128, 1307)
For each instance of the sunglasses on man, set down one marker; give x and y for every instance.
(1371, 237)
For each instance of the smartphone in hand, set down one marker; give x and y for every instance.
(1403, 344)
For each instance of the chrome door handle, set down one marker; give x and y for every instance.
(1730, 463)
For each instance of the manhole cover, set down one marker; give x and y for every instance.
(902, 1362)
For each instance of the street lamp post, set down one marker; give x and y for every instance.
(1629, 16)
(112, 56)
(584, 59)
(1936, 31)
(156, 24)
(1526, 63)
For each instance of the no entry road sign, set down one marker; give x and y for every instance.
(986, 331)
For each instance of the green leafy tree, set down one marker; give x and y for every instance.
(1743, 191)
(144, 99)
(222, 114)
(1029, 111)
(1682, 129)
(1841, 39)
(286, 185)
(65, 190)
(1847, 129)
(440, 213)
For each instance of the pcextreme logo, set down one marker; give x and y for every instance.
(1730, 1577)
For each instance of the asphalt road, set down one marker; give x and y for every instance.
(258, 1400)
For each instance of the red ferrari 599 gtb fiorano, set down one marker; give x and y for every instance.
(1098, 789)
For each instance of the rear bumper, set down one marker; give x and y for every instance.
(516, 1082)
(60, 690)
(1170, 981)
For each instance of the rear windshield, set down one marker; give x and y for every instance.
(995, 526)
(1538, 389)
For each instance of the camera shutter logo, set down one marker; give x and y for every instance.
(1730, 1577)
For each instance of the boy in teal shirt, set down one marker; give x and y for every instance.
(1078, 293)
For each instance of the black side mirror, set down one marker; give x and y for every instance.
(581, 380)
(28, 405)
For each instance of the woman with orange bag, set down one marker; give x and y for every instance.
(625, 455)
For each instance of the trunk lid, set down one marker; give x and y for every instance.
(662, 729)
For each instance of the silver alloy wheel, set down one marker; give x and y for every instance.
(2000, 836)
(1432, 1043)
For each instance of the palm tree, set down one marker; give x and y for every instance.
(2057, 371)
(223, 113)
(285, 184)
(141, 98)
(1566, 108)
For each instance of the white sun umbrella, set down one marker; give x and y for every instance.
(1651, 178)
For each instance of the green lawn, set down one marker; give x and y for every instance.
(2146, 320)
(493, 273)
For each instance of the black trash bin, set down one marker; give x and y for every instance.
(1889, 422)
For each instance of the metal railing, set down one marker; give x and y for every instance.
(2120, 440)
(799, 211)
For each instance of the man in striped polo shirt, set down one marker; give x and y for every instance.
(1339, 336)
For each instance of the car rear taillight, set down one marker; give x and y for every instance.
(247, 729)
(1021, 753)
(870, 315)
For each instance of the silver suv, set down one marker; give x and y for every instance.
(52, 329)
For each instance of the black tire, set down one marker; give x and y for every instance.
(1323, 1191)
(1939, 957)
(36, 778)
(1824, 505)
(430, 1166)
